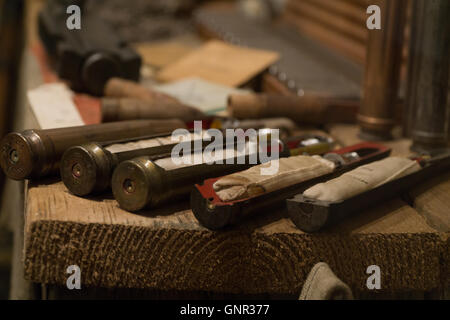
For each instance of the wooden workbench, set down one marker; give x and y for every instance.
(167, 249)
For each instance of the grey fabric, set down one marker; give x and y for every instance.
(323, 284)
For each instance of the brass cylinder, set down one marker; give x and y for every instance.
(87, 169)
(429, 101)
(141, 182)
(384, 59)
(36, 153)
(114, 109)
(306, 109)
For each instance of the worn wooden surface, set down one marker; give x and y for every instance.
(167, 249)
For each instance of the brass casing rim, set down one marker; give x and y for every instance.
(149, 184)
(32, 155)
(375, 121)
(95, 166)
(375, 129)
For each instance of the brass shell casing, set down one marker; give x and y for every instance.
(87, 169)
(26, 154)
(139, 183)
(384, 59)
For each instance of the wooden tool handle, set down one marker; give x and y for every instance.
(307, 109)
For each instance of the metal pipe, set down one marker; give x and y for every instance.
(384, 58)
(430, 86)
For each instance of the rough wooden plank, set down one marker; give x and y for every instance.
(167, 249)
(432, 201)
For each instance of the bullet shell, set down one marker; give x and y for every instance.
(88, 168)
(141, 182)
(36, 153)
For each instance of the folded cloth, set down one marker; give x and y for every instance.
(252, 182)
(322, 284)
(362, 179)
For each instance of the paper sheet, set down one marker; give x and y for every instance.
(53, 106)
(204, 95)
(220, 62)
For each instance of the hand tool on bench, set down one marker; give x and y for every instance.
(89, 56)
(327, 204)
(36, 153)
(215, 213)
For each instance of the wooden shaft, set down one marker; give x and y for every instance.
(306, 109)
(121, 88)
(114, 109)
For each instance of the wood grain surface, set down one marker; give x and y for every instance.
(167, 249)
